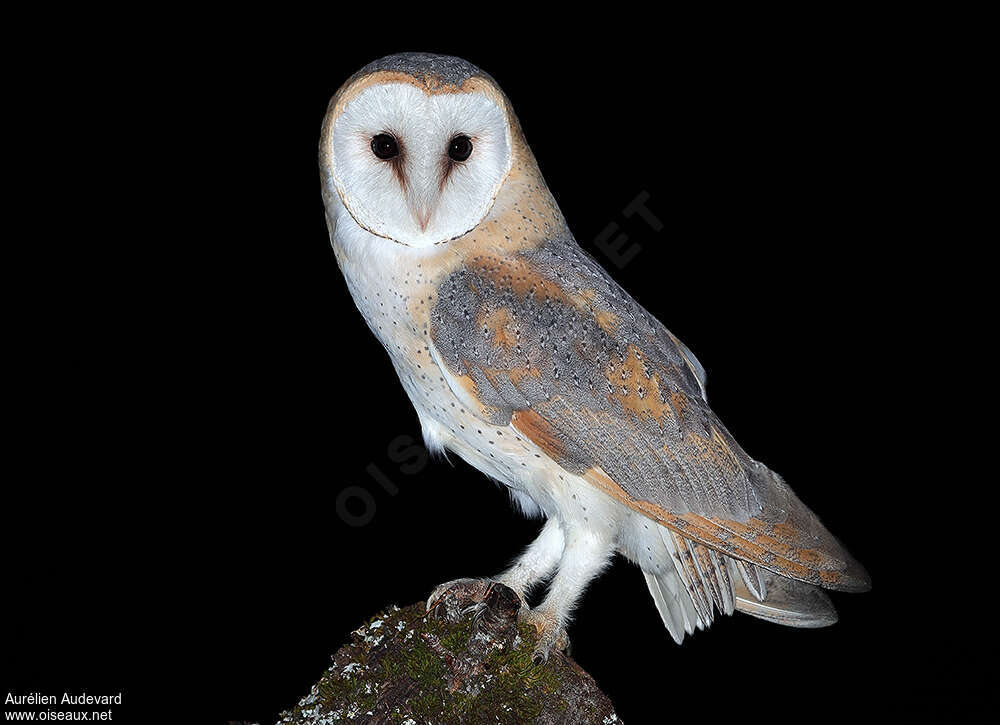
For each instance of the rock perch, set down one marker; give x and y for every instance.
(451, 665)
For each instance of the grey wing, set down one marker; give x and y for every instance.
(549, 343)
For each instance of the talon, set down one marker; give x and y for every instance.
(474, 590)
(550, 634)
(475, 609)
(562, 640)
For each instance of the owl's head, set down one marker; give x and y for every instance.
(416, 147)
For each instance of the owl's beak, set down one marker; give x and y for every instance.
(422, 211)
(423, 216)
(422, 199)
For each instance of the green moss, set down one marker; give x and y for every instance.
(424, 666)
(457, 638)
(511, 689)
(336, 691)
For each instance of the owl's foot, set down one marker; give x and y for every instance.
(550, 633)
(472, 592)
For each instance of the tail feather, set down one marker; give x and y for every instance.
(669, 606)
(752, 576)
(725, 583)
(702, 580)
(788, 602)
(683, 557)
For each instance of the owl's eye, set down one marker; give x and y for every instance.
(385, 147)
(460, 148)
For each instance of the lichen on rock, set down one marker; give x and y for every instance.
(455, 664)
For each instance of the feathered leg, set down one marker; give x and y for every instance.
(586, 552)
(536, 563)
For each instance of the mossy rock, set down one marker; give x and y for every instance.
(451, 665)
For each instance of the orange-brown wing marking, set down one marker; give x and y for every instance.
(542, 339)
(540, 432)
(756, 541)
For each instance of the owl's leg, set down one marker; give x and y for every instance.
(586, 552)
(534, 565)
(537, 562)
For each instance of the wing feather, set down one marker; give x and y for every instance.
(550, 344)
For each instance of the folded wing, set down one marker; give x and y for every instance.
(547, 342)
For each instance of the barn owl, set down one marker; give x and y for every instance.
(522, 356)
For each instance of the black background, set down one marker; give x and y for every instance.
(199, 387)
